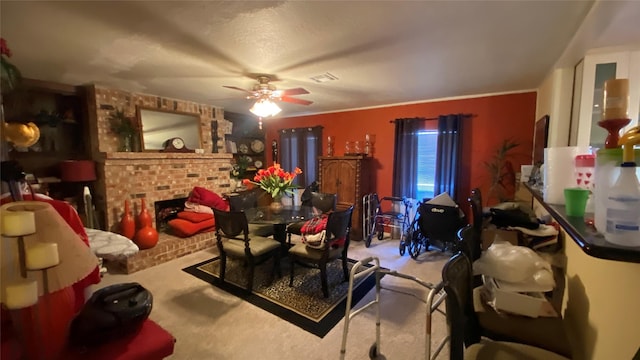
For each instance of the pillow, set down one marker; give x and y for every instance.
(206, 197)
(194, 216)
(315, 241)
(186, 228)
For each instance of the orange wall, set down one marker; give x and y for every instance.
(495, 118)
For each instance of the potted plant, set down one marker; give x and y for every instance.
(502, 174)
(9, 73)
(125, 127)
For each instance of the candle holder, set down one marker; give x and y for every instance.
(613, 127)
(369, 139)
(330, 142)
(42, 316)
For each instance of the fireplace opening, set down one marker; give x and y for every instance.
(166, 210)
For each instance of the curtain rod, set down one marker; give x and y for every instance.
(427, 119)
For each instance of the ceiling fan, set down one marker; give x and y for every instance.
(263, 90)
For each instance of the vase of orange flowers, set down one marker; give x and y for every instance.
(275, 181)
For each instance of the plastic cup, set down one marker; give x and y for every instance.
(575, 201)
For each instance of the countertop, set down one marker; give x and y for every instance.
(586, 236)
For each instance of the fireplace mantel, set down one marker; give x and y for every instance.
(160, 155)
(157, 176)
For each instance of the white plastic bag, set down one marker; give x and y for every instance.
(516, 265)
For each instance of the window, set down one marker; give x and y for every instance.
(301, 148)
(426, 163)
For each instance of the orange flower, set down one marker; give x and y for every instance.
(275, 180)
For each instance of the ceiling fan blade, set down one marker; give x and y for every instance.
(237, 88)
(296, 91)
(295, 100)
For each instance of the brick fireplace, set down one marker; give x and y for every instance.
(154, 176)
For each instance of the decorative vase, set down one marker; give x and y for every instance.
(127, 223)
(144, 218)
(276, 205)
(146, 238)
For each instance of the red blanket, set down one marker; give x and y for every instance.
(316, 225)
(200, 195)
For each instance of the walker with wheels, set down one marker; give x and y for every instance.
(434, 299)
(388, 212)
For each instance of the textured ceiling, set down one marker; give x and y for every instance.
(381, 52)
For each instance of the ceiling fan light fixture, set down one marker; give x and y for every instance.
(265, 108)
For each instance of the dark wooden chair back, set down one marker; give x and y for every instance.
(475, 201)
(339, 225)
(324, 202)
(230, 224)
(457, 276)
(469, 242)
(243, 201)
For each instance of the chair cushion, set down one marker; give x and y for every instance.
(186, 228)
(306, 252)
(264, 230)
(259, 246)
(502, 350)
(296, 227)
(544, 332)
(194, 216)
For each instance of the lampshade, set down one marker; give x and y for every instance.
(77, 170)
(76, 260)
(265, 108)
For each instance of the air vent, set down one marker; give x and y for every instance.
(324, 77)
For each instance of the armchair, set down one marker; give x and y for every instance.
(321, 201)
(234, 240)
(334, 247)
(461, 319)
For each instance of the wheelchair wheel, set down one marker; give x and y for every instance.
(415, 245)
(402, 246)
(367, 241)
(413, 239)
(373, 351)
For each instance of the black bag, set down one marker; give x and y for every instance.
(111, 312)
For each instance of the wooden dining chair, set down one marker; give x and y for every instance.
(543, 332)
(234, 240)
(322, 201)
(334, 247)
(247, 200)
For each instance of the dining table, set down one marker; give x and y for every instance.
(280, 218)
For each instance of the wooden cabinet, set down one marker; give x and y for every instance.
(350, 178)
(588, 96)
(246, 142)
(60, 112)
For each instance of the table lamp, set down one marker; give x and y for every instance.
(37, 272)
(81, 171)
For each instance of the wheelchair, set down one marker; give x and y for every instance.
(433, 225)
(386, 212)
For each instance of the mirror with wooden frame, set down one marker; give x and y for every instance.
(158, 126)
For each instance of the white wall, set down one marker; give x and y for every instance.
(554, 99)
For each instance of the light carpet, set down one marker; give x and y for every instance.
(210, 323)
(301, 304)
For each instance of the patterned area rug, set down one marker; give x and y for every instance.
(301, 304)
